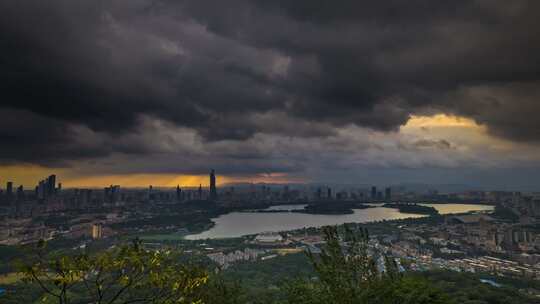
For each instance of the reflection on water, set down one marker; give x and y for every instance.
(236, 224)
(459, 208)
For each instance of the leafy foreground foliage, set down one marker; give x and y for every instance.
(128, 274)
(347, 274)
(262, 282)
(342, 273)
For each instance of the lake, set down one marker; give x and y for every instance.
(236, 224)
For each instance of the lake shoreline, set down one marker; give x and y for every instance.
(237, 224)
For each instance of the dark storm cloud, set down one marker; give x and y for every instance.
(234, 69)
(368, 53)
(64, 60)
(28, 137)
(509, 110)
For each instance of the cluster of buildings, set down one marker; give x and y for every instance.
(48, 196)
(484, 233)
(452, 245)
(471, 242)
(27, 230)
(24, 231)
(494, 265)
(224, 260)
(45, 197)
(478, 264)
(25, 214)
(269, 238)
(301, 193)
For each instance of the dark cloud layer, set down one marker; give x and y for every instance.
(78, 74)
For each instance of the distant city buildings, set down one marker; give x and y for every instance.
(213, 189)
(9, 189)
(46, 188)
(26, 212)
(388, 194)
(97, 231)
(112, 194)
(268, 238)
(224, 260)
(48, 196)
(179, 194)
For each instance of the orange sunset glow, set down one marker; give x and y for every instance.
(28, 176)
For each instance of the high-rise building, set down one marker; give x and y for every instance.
(51, 185)
(112, 194)
(178, 193)
(150, 193)
(84, 198)
(286, 193)
(388, 194)
(213, 190)
(107, 192)
(9, 189)
(373, 192)
(200, 191)
(329, 193)
(97, 231)
(47, 187)
(20, 193)
(41, 193)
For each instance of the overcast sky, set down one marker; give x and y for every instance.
(141, 91)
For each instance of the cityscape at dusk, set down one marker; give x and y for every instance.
(251, 151)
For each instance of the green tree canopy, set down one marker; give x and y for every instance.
(124, 275)
(347, 274)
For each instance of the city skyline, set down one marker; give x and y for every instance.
(145, 92)
(284, 151)
(213, 183)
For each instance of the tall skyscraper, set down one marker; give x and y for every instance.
(388, 194)
(47, 188)
(51, 185)
(41, 190)
(150, 193)
(112, 194)
(9, 189)
(20, 193)
(329, 193)
(178, 193)
(373, 192)
(213, 190)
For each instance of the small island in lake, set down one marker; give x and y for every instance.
(412, 208)
(332, 208)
